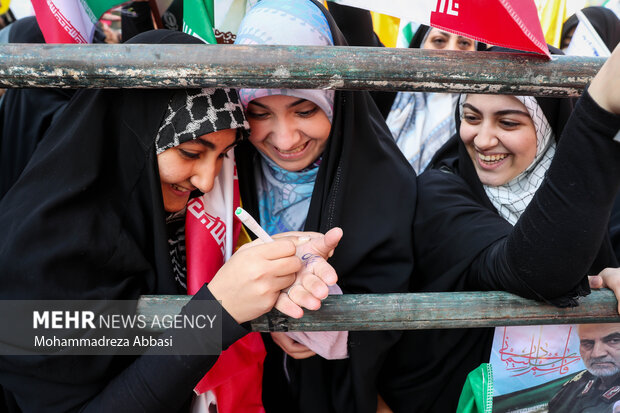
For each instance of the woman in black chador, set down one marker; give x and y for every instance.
(509, 205)
(94, 215)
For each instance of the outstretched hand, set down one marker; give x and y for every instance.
(605, 85)
(608, 278)
(312, 282)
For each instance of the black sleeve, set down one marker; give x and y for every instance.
(614, 226)
(552, 246)
(152, 383)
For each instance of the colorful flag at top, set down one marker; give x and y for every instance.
(4, 6)
(214, 21)
(552, 14)
(508, 23)
(70, 21)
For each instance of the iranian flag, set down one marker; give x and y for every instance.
(70, 21)
(508, 23)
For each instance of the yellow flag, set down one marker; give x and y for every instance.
(4, 6)
(552, 14)
(386, 28)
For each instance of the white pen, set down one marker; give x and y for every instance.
(252, 225)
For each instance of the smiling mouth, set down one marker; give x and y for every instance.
(180, 189)
(492, 158)
(293, 151)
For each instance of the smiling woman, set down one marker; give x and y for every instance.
(292, 132)
(192, 165)
(509, 205)
(317, 159)
(99, 213)
(501, 143)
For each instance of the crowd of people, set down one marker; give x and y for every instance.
(362, 193)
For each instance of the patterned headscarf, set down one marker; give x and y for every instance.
(284, 196)
(192, 113)
(285, 22)
(513, 197)
(196, 112)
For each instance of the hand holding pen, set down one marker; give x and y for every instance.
(311, 283)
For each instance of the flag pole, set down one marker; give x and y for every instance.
(156, 15)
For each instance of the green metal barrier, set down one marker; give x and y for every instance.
(355, 68)
(417, 311)
(181, 66)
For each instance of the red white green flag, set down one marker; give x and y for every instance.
(70, 21)
(214, 21)
(508, 23)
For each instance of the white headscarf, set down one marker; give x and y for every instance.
(513, 197)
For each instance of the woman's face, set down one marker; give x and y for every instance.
(291, 131)
(440, 40)
(192, 165)
(499, 135)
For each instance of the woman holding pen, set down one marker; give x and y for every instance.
(317, 159)
(95, 216)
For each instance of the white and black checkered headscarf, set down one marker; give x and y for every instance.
(513, 197)
(196, 112)
(192, 113)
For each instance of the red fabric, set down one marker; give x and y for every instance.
(508, 23)
(237, 376)
(49, 18)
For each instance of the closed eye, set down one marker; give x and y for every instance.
(509, 124)
(470, 118)
(308, 113)
(256, 115)
(189, 155)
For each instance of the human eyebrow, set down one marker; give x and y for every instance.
(297, 102)
(511, 112)
(445, 33)
(205, 143)
(471, 107)
(258, 104)
(612, 336)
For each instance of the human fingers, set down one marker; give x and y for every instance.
(291, 347)
(325, 245)
(285, 305)
(298, 294)
(611, 279)
(333, 237)
(312, 283)
(251, 244)
(325, 273)
(300, 355)
(595, 281)
(297, 234)
(277, 249)
(111, 17)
